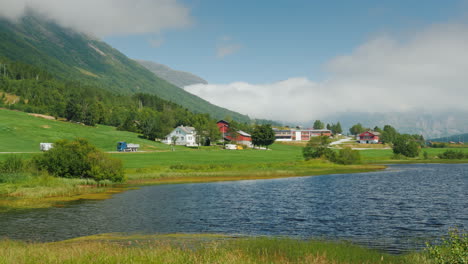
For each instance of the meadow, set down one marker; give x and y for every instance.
(184, 248)
(21, 132)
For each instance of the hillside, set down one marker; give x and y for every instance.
(177, 78)
(21, 132)
(70, 55)
(454, 138)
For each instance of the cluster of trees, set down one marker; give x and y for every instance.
(263, 135)
(335, 128)
(80, 159)
(318, 147)
(142, 113)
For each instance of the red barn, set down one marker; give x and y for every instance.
(223, 126)
(240, 137)
(369, 137)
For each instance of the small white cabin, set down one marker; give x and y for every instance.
(45, 146)
(186, 136)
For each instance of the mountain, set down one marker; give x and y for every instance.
(428, 124)
(71, 55)
(177, 78)
(454, 138)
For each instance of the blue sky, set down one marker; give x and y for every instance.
(269, 41)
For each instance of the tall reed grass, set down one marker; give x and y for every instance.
(201, 250)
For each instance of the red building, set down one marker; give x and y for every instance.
(237, 136)
(223, 126)
(369, 137)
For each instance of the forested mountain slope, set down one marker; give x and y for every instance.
(73, 56)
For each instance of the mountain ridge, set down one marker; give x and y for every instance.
(177, 78)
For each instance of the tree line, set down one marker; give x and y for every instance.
(147, 114)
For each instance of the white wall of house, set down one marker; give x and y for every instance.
(184, 138)
(298, 135)
(368, 141)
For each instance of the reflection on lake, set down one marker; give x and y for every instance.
(396, 209)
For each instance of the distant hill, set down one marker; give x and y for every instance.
(454, 138)
(430, 125)
(71, 55)
(177, 78)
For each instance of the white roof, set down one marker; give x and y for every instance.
(244, 133)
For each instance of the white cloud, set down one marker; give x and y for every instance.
(226, 46)
(105, 17)
(425, 70)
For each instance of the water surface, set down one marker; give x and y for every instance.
(397, 209)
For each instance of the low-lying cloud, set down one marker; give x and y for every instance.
(104, 17)
(426, 70)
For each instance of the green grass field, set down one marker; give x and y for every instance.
(212, 155)
(20, 132)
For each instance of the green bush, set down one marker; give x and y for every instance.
(317, 147)
(452, 154)
(318, 152)
(347, 156)
(454, 249)
(13, 164)
(438, 145)
(406, 145)
(79, 159)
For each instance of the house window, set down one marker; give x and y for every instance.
(181, 138)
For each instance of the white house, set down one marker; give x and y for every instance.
(186, 136)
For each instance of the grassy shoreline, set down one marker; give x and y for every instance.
(196, 248)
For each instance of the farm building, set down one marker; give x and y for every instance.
(240, 137)
(369, 137)
(223, 126)
(300, 134)
(186, 136)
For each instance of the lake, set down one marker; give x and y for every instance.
(397, 209)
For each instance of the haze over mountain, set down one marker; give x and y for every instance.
(454, 138)
(177, 78)
(429, 124)
(72, 55)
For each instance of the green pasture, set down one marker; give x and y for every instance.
(20, 132)
(207, 156)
